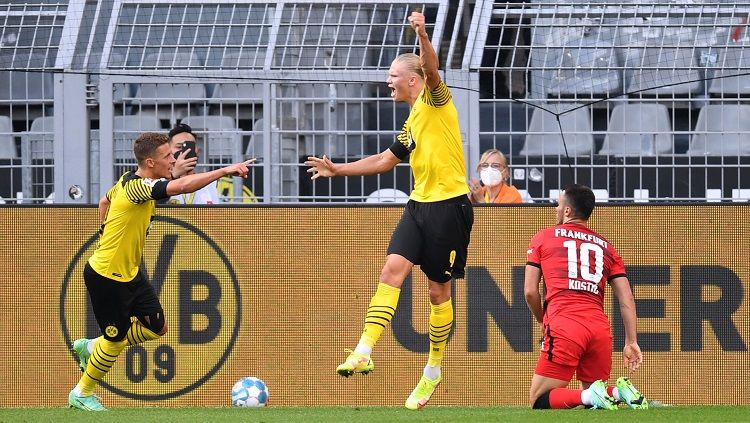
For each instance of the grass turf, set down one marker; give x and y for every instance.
(379, 414)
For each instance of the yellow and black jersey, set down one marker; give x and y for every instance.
(122, 236)
(432, 136)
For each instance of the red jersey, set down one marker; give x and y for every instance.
(575, 261)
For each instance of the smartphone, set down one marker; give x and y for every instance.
(188, 145)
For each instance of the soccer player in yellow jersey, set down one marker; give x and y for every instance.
(117, 288)
(436, 224)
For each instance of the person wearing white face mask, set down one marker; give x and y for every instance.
(494, 174)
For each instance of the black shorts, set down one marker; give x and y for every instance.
(435, 236)
(115, 302)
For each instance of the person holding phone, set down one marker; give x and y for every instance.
(185, 148)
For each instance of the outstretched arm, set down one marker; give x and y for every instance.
(372, 165)
(427, 55)
(196, 181)
(631, 354)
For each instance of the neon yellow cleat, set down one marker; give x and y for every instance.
(81, 349)
(600, 398)
(355, 363)
(629, 395)
(422, 393)
(87, 403)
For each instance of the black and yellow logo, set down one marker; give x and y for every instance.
(111, 331)
(199, 291)
(225, 187)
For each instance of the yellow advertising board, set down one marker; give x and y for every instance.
(280, 292)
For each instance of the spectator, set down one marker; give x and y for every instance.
(493, 186)
(209, 194)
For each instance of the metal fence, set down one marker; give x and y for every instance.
(642, 101)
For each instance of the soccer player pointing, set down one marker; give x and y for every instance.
(576, 262)
(117, 287)
(435, 226)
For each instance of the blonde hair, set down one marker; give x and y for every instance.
(412, 62)
(486, 155)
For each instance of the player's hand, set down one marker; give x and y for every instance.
(416, 19)
(240, 169)
(320, 167)
(632, 357)
(183, 166)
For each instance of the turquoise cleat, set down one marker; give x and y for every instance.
(87, 403)
(629, 395)
(600, 398)
(81, 349)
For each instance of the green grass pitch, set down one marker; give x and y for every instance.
(441, 414)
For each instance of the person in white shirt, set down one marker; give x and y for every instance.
(209, 194)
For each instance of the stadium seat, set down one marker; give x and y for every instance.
(713, 195)
(722, 130)
(502, 126)
(601, 195)
(7, 141)
(243, 93)
(222, 138)
(525, 196)
(237, 93)
(40, 138)
(122, 93)
(179, 98)
(169, 93)
(126, 130)
(641, 195)
(387, 195)
(588, 68)
(640, 129)
(732, 76)
(663, 71)
(543, 137)
(740, 195)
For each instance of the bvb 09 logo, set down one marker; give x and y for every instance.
(198, 289)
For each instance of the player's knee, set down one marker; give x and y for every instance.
(155, 322)
(439, 292)
(395, 270)
(541, 402)
(390, 277)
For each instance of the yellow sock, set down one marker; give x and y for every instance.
(138, 334)
(441, 321)
(379, 314)
(104, 356)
